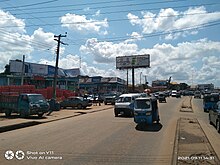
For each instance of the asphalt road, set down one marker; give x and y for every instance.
(96, 138)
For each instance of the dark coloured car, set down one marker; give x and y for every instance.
(178, 95)
(75, 102)
(197, 94)
(161, 97)
(214, 116)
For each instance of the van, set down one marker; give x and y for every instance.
(124, 105)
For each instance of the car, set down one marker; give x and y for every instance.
(110, 99)
(75, 102)
(178, 95)
(173, 93)
(214, 116)
(197, 94)
(161, 97)
(124, 105)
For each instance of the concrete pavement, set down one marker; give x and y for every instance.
(15, 122)
(192, 145)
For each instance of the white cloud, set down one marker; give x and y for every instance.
(166, 60)
(15, 42)
(81, 24)
(168, 20)
(10, 23)
(106, 52)
(72, 61)
(41, 40)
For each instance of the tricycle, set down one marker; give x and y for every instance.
(209, 101)
(146, 110)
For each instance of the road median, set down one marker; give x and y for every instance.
(192, 145)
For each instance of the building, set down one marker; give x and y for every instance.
(42, 76)
(203, 87)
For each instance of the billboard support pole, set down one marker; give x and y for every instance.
(127, 79)
(133, 79)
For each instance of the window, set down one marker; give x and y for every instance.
(142, 104)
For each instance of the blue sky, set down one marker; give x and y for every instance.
(181, 36)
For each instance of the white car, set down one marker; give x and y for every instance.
(173, 93)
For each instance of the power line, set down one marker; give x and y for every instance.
(22, 41)
(112, 20)
(92, 3)
(162, 33)
(94, 8)
(215, 23)
(33, 4)
(122, 11)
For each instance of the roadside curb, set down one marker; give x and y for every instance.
(33, 123)
(175, 148)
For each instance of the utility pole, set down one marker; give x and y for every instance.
(57, 38)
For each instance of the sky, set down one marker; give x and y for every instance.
(181, 36)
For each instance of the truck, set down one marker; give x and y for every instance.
(24, 104)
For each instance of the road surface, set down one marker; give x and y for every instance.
(96, 138)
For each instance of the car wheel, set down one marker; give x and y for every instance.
(40, 115)
(8, 113)
(23, 114)
(210, 122)
(79, 106)
(218, 126)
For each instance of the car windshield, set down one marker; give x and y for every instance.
(211, 98)
(36, 98)
(80, 98)
(142, 104)
(124, 99)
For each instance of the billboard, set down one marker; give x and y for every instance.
(135, 61)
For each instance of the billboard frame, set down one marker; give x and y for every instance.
(134, 61)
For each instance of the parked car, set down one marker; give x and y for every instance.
(214, 116)
(74, 102)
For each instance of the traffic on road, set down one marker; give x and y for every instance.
(145, 119)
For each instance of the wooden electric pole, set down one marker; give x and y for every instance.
(57, 38)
